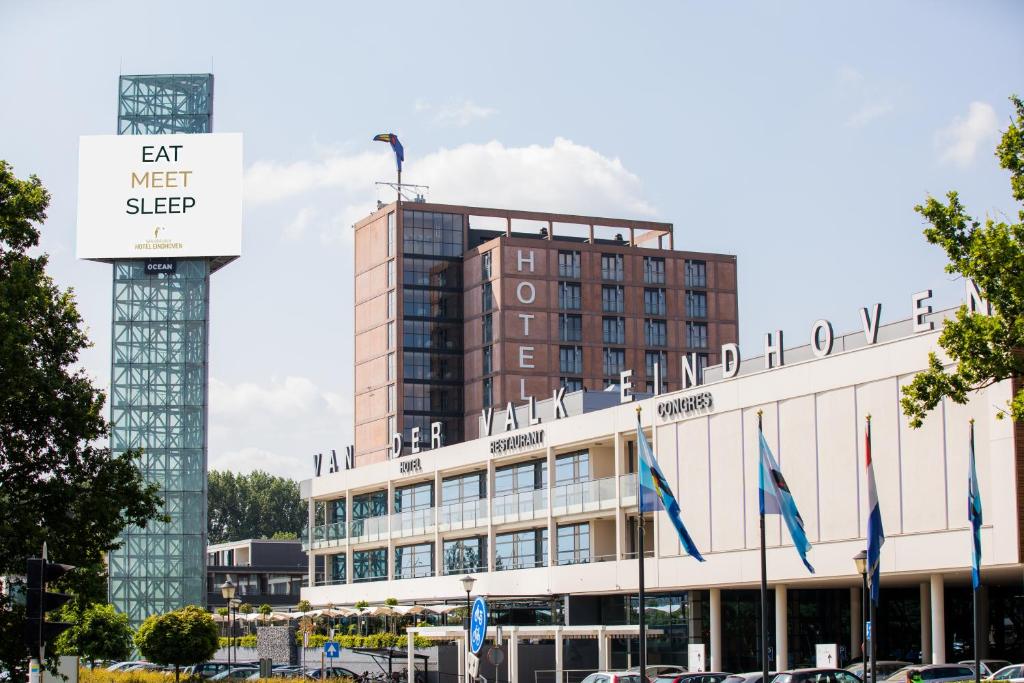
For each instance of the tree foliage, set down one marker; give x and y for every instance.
(180, 638)
(256, 505)
(102, 633)
(56, 483)
(985, 348)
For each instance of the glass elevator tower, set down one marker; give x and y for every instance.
(159, 378)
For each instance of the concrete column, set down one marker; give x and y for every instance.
(463, 648)
(856, 623)
(715, 628)
(781, 629)
(410, 657)
(311, 559)
(558, 654)
(938, 606)
(602, 649)
(926, 622)
(513, 654)
(552, 535)
(491, 515)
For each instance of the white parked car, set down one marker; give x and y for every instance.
(613, 677)
(1014, 673)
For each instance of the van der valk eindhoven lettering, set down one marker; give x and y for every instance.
(822, 340)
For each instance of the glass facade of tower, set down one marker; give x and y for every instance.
(158, 390)
(158, 404)
(432, 248)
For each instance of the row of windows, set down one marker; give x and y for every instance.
(434, 234)
(422, 334)
(426, 272)
(613, 300)
(613, 331)
(695, 271)
(426, 366)
(430, 398)
(516, 550)
(431, 303)
(570, 361)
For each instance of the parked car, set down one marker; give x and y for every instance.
(988, 666)
(207, 669)
(933, 673)
(120, 666)
(235, 673)
(816, 676)
(613, 677)
(659, 670)
(1013, 673)
(886, 668)
(749, 677)
(330, 672)
(695, 677)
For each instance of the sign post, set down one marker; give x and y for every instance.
(477, 635)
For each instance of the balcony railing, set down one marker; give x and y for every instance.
(521, 506)
(584, 496)
(412, 522)
(582, 557)
(369, 529)
(627, 489)
(463, 515)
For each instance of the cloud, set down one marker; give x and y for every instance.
(868, 113)
(292, 397)
(458, 113)
(275, 426)
(865, 98)
(297, 228)
(959, 141)
(563, 176)
(249, 459)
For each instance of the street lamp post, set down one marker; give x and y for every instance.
(467, 585)
(227, 591)
(860, 561)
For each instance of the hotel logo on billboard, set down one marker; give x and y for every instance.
(159, 196)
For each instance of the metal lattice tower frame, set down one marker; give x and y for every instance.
(159, 380)
(165, 103)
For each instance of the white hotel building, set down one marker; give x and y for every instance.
(548, 529)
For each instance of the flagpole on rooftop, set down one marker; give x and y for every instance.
(640, 558)
(764, 571)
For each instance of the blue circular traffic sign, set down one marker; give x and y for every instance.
(477, 625)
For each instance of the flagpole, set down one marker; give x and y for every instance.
(871, 608)
(974, 588)
(764, 570)
(640, 559)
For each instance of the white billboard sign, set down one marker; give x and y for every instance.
(159, 196)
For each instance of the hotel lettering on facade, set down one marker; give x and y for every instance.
(548, 528)
(452, 318)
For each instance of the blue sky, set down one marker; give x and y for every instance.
(798, 136)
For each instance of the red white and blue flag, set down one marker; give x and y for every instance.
(876, 535)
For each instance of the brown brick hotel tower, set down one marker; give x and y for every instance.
(461, 308)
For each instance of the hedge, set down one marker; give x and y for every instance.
(374, 640)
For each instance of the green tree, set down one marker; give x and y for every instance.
(304, 606)
(245, 608)
(255, 505)
(57, 484)
(985, 348)
(180, 638)
(102, 633)
(265, 611)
